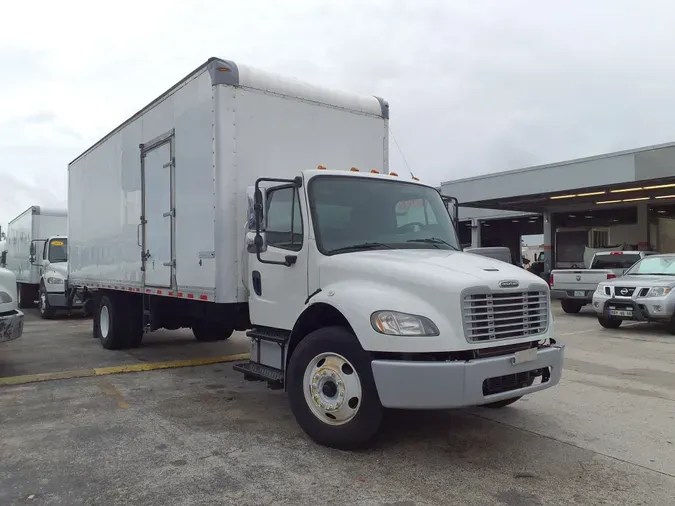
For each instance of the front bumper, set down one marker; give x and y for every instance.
(643, 309)
(59, 299)
(456, 384)
(11, 325)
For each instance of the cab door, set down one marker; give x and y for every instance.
(277, 268)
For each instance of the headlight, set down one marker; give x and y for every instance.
(600, 288)
(394, 323)
(658, 291)
(5, 297)
(54, 281)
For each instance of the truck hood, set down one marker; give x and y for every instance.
(641, 281)
(8, 285)
(60, 268)
(451, 270)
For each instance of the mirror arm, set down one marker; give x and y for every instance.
(289, 260)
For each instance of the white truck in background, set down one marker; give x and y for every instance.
(212, 209)
(37, 255)
(575, 287)
(11, 319)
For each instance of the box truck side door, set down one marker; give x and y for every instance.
(278, 273)
(158, 211)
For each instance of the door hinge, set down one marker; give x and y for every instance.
(171, 213)
(170, 163)
(172, 263)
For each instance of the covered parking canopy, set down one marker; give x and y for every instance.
(632, 187)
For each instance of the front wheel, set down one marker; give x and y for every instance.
(331, 389)
(608, 322)
(46, 310)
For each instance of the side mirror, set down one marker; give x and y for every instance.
(255, 220)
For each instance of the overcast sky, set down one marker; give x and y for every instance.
(474, 86)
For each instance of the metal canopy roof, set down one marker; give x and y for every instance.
(531, 189)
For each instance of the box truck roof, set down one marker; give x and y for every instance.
(229, 73)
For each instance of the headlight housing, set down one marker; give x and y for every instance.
(659, 291)
(600, 288)
(394, 323)
(54, 281)
(5, 297)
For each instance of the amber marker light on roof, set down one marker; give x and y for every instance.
(320, 167)
(354, 169)
(415, 178)
(374, 171)
(393, 174)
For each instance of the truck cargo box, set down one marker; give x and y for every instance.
(166, 190)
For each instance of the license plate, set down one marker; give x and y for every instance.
(520, 357)
(620, 312)
(579, 293)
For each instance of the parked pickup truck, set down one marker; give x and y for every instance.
(575, 287)
(644, 293)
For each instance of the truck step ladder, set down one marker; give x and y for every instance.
(254, 370)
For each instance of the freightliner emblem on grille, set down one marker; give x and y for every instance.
(509, 283)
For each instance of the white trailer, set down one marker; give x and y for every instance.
(37, 255)
(212, 208)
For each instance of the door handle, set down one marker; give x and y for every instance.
(138, 235)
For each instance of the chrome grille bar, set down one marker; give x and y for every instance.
(506, 315)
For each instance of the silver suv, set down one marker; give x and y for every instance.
(646, 292)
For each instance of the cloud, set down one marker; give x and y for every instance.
(474, 87)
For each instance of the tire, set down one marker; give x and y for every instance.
(339, 347)
(502, 403)
(25, 295)
(208, 332)
(46, 310)
(609, 322)
(115, 324)
(571, 306)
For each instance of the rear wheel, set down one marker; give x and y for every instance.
(26, 296)
(115, 324)
(331, 389)
(608, 322)
(571, 306)
(206, 331)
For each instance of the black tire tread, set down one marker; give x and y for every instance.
(360, 430)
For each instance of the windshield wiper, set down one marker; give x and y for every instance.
(362, 246)
(434, 240)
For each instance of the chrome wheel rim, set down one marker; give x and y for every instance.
(332, 389)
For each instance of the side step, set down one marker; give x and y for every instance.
(255, 369)
(259, 372)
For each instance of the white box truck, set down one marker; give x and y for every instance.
(218, 207)
(37, 249)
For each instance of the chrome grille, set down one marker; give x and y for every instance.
(505, 315)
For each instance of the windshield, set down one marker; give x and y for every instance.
(615, 261)
(655, 265)
(354, 213)
(58, 250)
